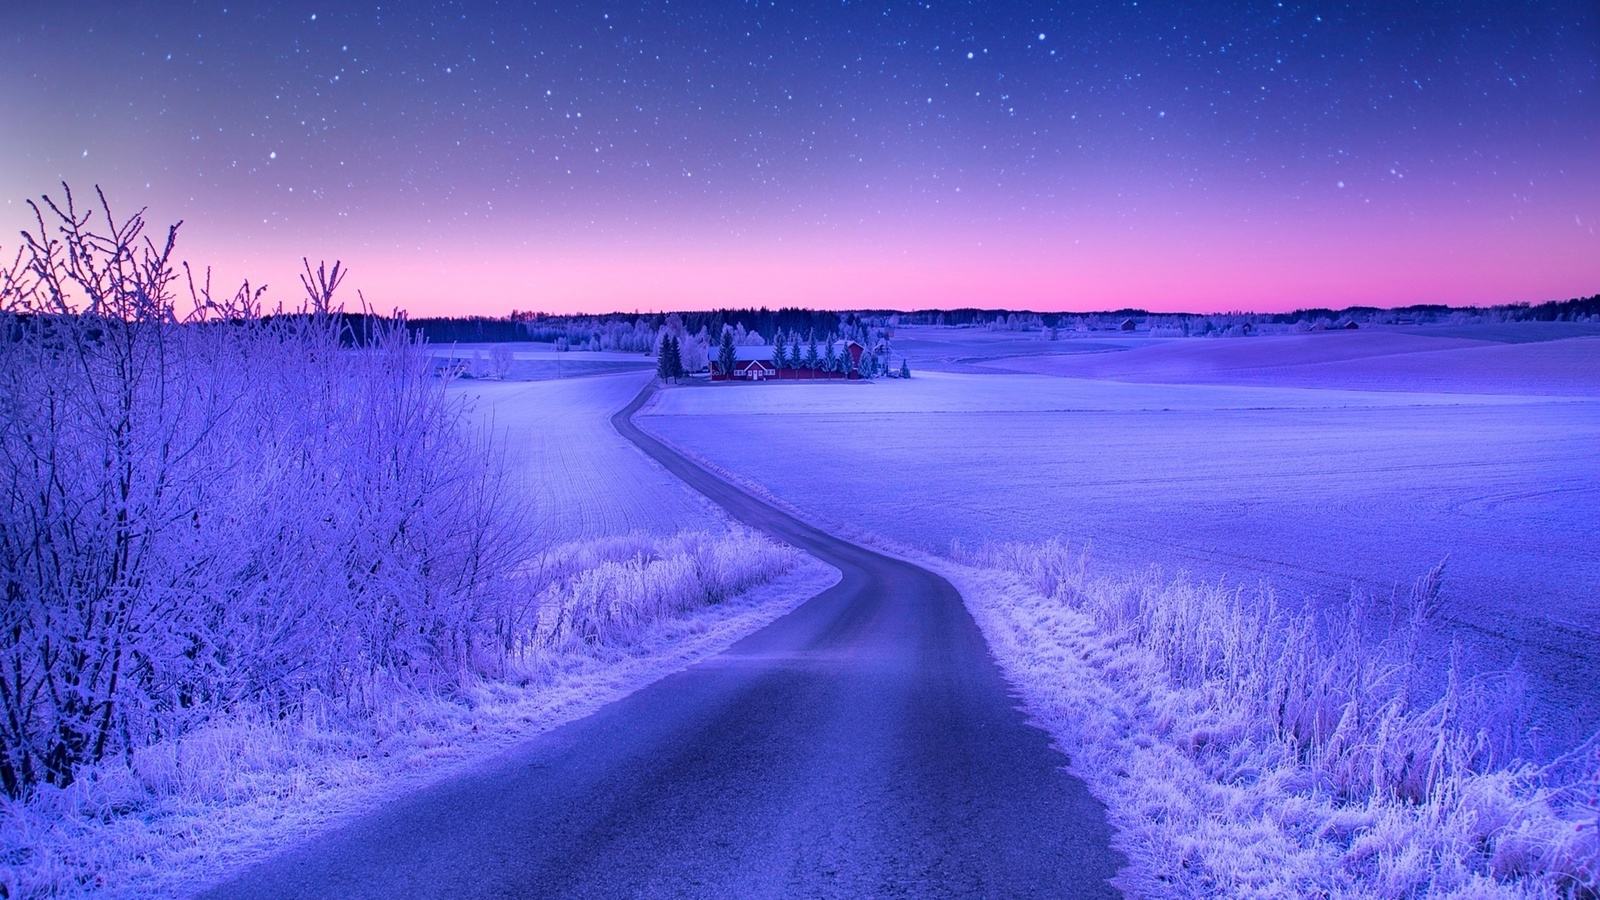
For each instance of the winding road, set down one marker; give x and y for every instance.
(864, 745)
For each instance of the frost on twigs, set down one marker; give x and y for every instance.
(212, 511)
(1248, 749)
(254, 564)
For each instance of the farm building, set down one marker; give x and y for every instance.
(750, 364)
(851, 347)
(756, 364)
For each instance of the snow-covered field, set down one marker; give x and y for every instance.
(583, 480)
(532, 361)
(1485, 359)
(1314, 489)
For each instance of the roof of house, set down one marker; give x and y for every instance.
(747, 353)
(751, 352)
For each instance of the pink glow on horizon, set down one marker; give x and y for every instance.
(1243, 268)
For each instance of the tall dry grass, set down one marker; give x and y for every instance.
(1377, 776)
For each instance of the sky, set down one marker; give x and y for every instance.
(478, 157)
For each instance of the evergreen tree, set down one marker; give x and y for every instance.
(905, 368)
(663, 366)
(830, 361)
(813, 360)
(669, 364)
(796, 355)
(780, 358)
(727, 357)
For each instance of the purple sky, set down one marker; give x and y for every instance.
(477, 157)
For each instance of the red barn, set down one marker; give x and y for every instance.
(855, 350)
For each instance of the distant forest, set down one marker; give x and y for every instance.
(640, 332)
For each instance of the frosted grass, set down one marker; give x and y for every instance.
(1246, 750)
(600, 619)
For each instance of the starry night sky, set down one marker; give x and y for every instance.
(478, 157)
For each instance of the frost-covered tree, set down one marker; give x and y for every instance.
(905, 368)
(210, 511)
(694, 352)
(830, 359)
(813, 359)
(780, 355)
(500, 360)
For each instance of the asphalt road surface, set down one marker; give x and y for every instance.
(865, 745)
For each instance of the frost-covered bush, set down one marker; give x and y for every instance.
(1256, 748)
(581, 612)
(220, 510)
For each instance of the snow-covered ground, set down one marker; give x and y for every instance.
(583, 479)
(1314, 489)
(533, 361)
(189, 812)
(1495, 359)
(608, 523)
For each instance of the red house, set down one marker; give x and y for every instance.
(755, 364)
(750, 364)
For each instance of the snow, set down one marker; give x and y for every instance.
(1212, 796)
(535, 350)
(939, 349)
(1313, 489)
(189, 813)
(945, 392)
(1362, 360)
(584, 480)
(616, 539)
(1253, 729)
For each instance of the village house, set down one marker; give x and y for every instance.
(750, 364)
(754, 363)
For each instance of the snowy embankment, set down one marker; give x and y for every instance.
(626, 576)
(1243, 750)
(606, 617)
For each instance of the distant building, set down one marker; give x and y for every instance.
(1128, 325)
(855, 350)
(750, 364)
(754, 363)
(1346, 325)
